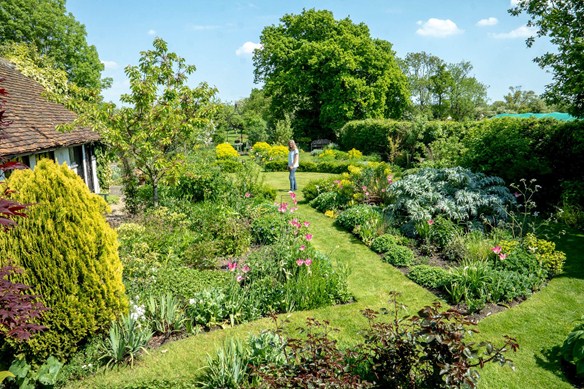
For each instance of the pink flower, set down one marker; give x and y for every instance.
(517, 194)
(231, 266)
(306, 224)
(300, 262)
(308, 261)
(302, 248)
(293, 209)
(283, 207)
(430, 222)
(364, 188)
(239, 278)
(382, 190)
(502, 256)
(496, 249)
(295, 223)
(366, 193)
(245, 268)
(292, 195)
(390, 179)
(247, 195)
(308, 237)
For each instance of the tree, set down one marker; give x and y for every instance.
(520, 101)
(46, 25)
(563, 22)
(163, 117)
(324, 72)
(467, 95)
(419, 68)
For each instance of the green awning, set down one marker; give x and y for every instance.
(552, 115)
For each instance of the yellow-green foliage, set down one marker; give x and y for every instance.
(278, 152)
(545, 252)
(69, 254)
(328, 153)
(261, 149)
(225, 151)
(355, 154)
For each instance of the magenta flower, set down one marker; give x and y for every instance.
(247, 195)
(502, 256)
(239, 278)
(308, 261)
(293, 209)
(300, 262)
(283, 207)
(292, 195)
(295, 223)
(308, 237)
(306, 224)
(390, 179)
(496, 249)
(430, 222)
(302, 248)
(245, 268)
(231, 266)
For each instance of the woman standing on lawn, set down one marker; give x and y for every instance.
(293, 158)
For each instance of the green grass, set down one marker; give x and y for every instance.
(540, 324)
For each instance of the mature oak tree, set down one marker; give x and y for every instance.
(563, 22)
(324, 72)
(54, 32)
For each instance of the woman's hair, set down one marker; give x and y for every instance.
(292, 143)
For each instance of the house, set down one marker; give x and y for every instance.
(32, 133)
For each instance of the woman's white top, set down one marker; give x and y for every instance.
(291, 155)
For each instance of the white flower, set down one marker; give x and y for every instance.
(192, 301)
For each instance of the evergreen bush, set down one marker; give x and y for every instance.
(69, 256)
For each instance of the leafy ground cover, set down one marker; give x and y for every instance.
(540, 324)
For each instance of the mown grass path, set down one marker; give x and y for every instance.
(540, 324)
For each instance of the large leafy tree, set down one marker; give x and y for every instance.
(520, 101)
(419, 68)
(563, 22)
(54, 32)
(162, 117)
(467, 95)
(324, 72)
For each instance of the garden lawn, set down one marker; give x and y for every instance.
(540, 324)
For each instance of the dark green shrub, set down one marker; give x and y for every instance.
(307, 166)
(357, 215)
(69, 255)
(270, 226)
(334, 167)
(573, 348)
(429, 276)
(276, 166)
(400, 256)
(385, 242)
(184, 282)
(229, 165)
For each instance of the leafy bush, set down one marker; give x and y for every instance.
(456, 193)
(329, 201)
(228, 369)
(385, 242)
(573, 348)
(128, 337)
(399, 256)
(269, 226)
(225, 151)
(429, 276)
(316, 187)
(65, 238)
(357, 215)
(545, 252)
(278, 152)
(354, 154)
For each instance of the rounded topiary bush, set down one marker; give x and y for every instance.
(386, 242)
(69, 254)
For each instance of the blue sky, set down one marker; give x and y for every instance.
(218, 36)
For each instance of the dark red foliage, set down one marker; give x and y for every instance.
(17, 309)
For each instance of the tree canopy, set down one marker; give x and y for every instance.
(162, 117)
(324, 72)
(54, 32)
(563, 22)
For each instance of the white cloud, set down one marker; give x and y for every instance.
(247, 48)
(439, 28)
(514, 2)
(151, 32)
(487, 22)
(110, 64)
(519, 32)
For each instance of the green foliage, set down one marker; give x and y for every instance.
(269, 227)
(128, 337)
(28, 377)
(386, 242)
(325, 86)
(162, 117)
(165, 314)
(69, 254)
(400, 256)
(314, 188)
(48, 26)
(561, 22)
(545, 252)
(358, 215)
(573, 348)
(328, 201)
(456, 193)
(228, 369)
(429, 276)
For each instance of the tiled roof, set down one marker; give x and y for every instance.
(34, 118)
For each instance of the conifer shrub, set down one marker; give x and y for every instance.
(69, 256)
